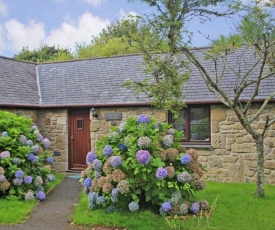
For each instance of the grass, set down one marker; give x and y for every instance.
(233, 207)
(15, 211)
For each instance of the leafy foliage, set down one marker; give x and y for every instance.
(142, 162)
(44, 54)
(122, 37)
(24, 159)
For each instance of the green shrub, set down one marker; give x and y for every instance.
(24, 158)
(142, 162)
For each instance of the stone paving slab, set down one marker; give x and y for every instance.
(53, 213)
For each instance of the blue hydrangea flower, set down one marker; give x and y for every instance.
(51, 177)
(168, 140)
(29, 142)
(121, 127)
(17, 181)
(143, 118)
(29, 196)
(107, 151)
(123, 186)
(46, 143)
(100, 200)
(38, 181)
(183, 209)
(5, 134)
(171, 131)
(39, 188)
(35, 160)
(50, 160)
(5, 154)
(143, 157)
(97, 165)
(133, 206)
(115, 194)
(166, 206)
(97, 174)
(195, 207)
(161, 173)
(30, 156)
(111, 209)
(115, 161)
(122, 147)
(35, 148)
(91, 156)
(40, 196)
(22, 139)
(28, 180)
(39, 137)
(19, 174)
(92, 206)
(144, 142)
(184, 177)
(2, 178)
(92, 196)
(34, 127)
(16, 161)
(88, 182)
(185, 159)
(156, 125)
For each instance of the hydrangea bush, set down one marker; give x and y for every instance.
(25, 162)
(142, 162)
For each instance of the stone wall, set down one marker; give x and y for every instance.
(232, 156)
(29, 113)
(100, 127)
(53, 124)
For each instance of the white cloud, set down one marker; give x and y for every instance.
(3, 9)
(68, 33)
(123, 14)
(93, 2)
(17, 35)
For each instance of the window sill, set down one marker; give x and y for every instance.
(196, 146)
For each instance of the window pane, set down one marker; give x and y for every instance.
(180, 123)
(79, 124)
(199, 124)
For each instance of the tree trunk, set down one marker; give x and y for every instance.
(260, 166)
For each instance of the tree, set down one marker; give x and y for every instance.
(44, 54)
(167, 70)
(116, 39)
(170, 23)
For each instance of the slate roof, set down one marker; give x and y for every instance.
(90, 82)
(18, 83)
(99, 81)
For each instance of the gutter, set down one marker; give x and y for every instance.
(40, 106)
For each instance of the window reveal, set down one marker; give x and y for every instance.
(194, 121)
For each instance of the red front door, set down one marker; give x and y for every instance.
(79, 138)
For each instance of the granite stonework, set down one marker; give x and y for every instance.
(100, 126)
(231, 158)
(53, 124)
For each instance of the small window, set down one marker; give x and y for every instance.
(80, 124)
(194, 121)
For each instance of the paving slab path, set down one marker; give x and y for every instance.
(53, 213)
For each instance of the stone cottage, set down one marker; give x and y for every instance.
(74, 103)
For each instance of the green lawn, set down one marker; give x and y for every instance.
(14, 211)
(236, 209)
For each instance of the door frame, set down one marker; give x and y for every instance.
(70, 142)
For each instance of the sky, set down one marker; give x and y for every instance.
(63, 23)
